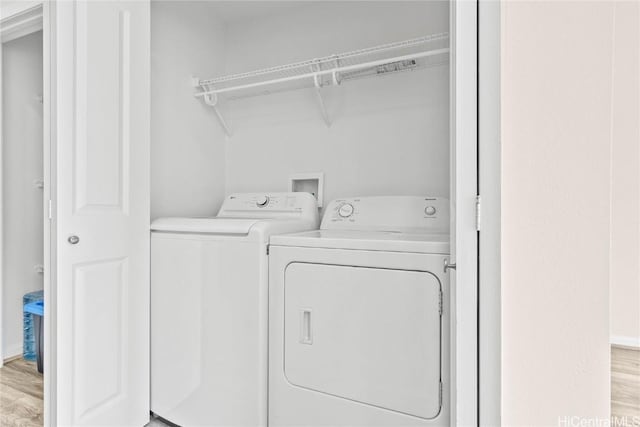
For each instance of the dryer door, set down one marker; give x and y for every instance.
(365, 334)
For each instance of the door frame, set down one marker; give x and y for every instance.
(489, 184)
(464, 234)
(18, 20)
(476, 130)
(21, 19)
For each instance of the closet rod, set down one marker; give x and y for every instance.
(334, 70)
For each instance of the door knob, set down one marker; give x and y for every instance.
(73, 240)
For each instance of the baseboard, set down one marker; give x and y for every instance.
(631, 342)
(12, 358)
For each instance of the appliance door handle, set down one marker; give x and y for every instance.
(306, 331)
(448, 266)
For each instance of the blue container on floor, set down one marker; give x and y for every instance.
(36, 309)
(29, 342)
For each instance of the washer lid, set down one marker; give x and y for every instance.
(389, 241)
(205, 225)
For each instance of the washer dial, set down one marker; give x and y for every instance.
(346, 210)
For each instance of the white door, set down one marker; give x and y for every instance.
(100, 167)
(371, 335)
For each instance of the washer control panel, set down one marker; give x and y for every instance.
(392, 213)
(269, 205)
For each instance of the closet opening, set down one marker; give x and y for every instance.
(370, 97)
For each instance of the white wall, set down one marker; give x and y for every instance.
(187, 145)
(22, 141)
(625, 186)
(388, 135)
(556, 143)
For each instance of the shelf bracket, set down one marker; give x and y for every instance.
(211, 99)
(334, 75)
(318, 88)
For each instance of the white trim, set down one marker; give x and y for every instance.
(48, 74)
(11, 8)
(1, 211)
(464, 280)
(623, 341)
(21, 22)
(489, 146)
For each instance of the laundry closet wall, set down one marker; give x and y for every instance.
(22, 167)
(187, 144)
(389, 134)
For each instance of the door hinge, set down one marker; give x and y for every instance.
(267, 249)
(50, 209)
(441, 303)
(478, 212)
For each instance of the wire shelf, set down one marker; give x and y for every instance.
(331, 70)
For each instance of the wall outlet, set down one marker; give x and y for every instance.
(308, 183)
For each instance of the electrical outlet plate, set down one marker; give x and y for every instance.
(308, 183)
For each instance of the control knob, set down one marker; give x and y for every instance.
(262, 201)
(346, 210)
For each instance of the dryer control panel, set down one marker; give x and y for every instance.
(403, 214)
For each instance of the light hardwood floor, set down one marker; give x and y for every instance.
(21, 391)
(21, 395)
(625, 384)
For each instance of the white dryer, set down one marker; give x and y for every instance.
(359, 322)
(209, 313)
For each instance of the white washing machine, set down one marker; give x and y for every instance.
(209, 313)
(359, 322)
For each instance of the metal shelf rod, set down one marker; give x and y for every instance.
(315, 74)
(329, 59)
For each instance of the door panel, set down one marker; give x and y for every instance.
(102, 197)
(103, 113)
(99, 337)
(372, 335)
